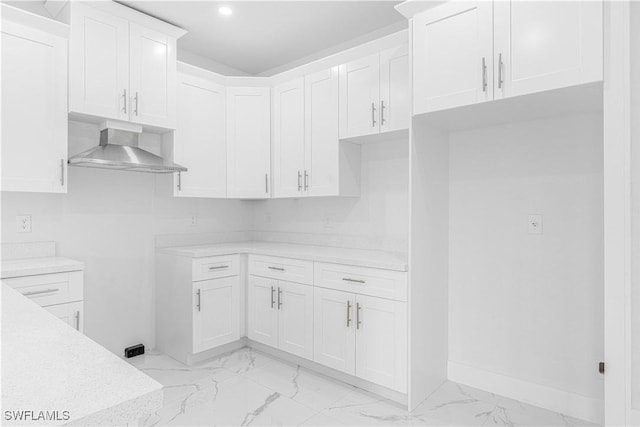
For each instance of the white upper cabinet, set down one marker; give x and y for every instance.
(374, 94)
(395, 112)
(199, 141)
(453, 51)
(98, 63)
(360, 97)
(152, 76)
(288, 139)
(546, 45)
(475, 51)
(34, 105)
(248, 142)
(122, 64)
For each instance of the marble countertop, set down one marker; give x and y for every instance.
(49, 366)
(33, 266)
(357, 257)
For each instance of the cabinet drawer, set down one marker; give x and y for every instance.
(362, 280)
(49, 289)
(291, 270)
(215, 267)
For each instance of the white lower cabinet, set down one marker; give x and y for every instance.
(215, 318)
(72, 314)
(281, 315)
(61, 294)
(334, 335)
(362, 336)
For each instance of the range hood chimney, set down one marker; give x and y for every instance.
(119, 149)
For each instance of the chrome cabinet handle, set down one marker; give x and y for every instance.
(276, 268)
(306, 181)
(136, 99)
(484, 74)
(373, 114)
(124, 101)
(266, 183)
(44, 291)
(62, 162)
(273, 301)
(348, 313)
(358, 321)
(299, 181)
(349, 279)
(279, 297)
(199, 301)
(218, 267)
(500, 81)
(382, 108)
(78, 320)
(179, 181)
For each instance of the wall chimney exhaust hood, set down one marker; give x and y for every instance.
(119, 149)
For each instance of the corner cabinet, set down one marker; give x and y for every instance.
(199, 141)
(374, 94)
(34, 87)
(470, 52)
(122, 64)
(198, 304)
(249, 142)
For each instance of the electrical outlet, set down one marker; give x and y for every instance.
(194, 220)
(267, 218)
(328, 221)
(23, 223)
(535, 224)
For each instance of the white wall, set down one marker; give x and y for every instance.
(377, 219)
(521, 305)
(109, 220)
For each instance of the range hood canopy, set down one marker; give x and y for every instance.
(119, 149)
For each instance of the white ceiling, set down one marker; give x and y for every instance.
(264, 35)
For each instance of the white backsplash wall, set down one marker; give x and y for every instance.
(109, 220)
(378, 219)
(528, 306)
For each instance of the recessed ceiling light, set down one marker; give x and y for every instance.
(224, 10)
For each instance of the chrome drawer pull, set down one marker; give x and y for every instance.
(348, 279)
(276, 268)
(279, 297)
(348, 313)
(44, 291)
(273, 301)
(358, 321)
(199, 305)
(78, 320)
(218, 267)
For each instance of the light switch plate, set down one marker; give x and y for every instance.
(535, 224)
(23, 223)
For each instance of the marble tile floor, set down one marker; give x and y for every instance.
(247, 387)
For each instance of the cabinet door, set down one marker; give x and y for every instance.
(288, 139)
(321, 133)
(334, 329)
(216, 314)
(295, 319)
(360, 97)
(248, 142)
(99, 63)
(381, 341)
(34, 110)
(394, 89)
(71, 313)
(262, 312)
(199, 141)
(153, 77)
(546, 45)
(453, 51)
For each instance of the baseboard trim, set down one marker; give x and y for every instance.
(192, 359)
(553, 399)
(395, 396)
